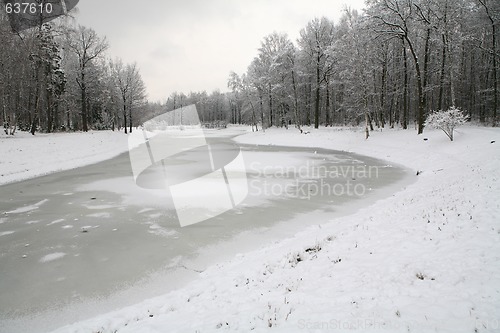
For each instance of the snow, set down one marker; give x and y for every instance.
(52, 257)
(27, 209)
(56, 222)
(102, 215)
(161, 231)
(426, 259)
(25, 156)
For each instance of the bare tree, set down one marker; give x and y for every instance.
(241, 85)
(314, 40)
(137, 92)
(131, 87)
(87, 46)
(396, 18)
(255, 78)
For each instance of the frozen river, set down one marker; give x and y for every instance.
(77, 243)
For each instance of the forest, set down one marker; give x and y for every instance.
(56, 77)
(389, 66)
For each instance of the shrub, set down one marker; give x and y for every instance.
(446, 120)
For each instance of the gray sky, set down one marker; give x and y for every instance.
(192, 45)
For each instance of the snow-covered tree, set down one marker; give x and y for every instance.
(314, 41)
(55, 85)
(87, 46)
(446, 120)
(132, 89)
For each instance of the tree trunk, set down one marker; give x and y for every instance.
(452, 80)
(383, 92)
(376, 107)
(495, 79)
(426, 68)
(442, 75)
(50, 115)
(394, 110)
(68, 120)
(296, 103)
(125, 114)
(308, 95)
(130, 118)
(271, 114)
(316, 109)
(367, 121)
(254, 117)
(239, 106)
(83, 88)
(421, 99)
(262, 112)
(327, 111)
(34, 120)
(405, 89)
(57, 117)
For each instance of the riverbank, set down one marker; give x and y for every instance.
(425, 259)
(25, 156)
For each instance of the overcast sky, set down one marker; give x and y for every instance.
(192, 45)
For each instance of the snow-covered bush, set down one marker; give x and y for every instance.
(446, 120)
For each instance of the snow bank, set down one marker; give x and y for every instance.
(426, 259)
(24, 156)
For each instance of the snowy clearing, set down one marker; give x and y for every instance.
(426, 259)
(25, 156)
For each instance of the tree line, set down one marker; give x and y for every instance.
(390, 66)
(57, 77)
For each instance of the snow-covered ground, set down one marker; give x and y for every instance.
(24, 156)
(426, 259)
